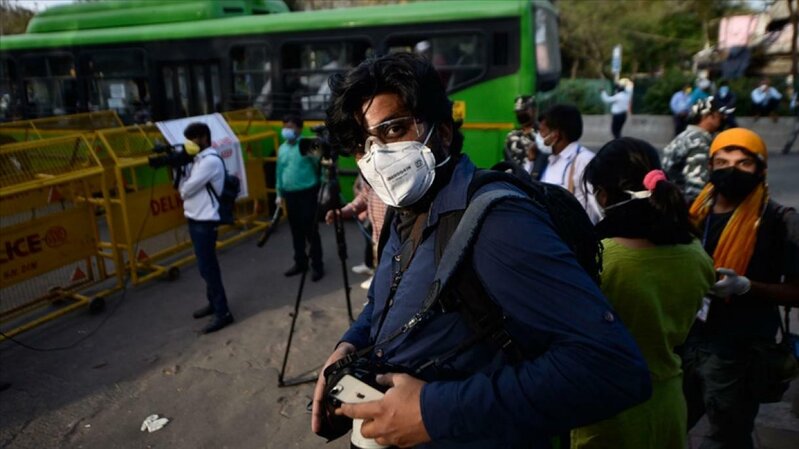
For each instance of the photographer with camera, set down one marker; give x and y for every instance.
(298, 184)
(206, 171)
(569, 362)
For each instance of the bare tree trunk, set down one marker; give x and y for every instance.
(575, 67)
(795, 25)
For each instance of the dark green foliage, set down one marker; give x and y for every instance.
(583, 93)
(656, 96)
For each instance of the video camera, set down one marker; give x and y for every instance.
(174, 156)
(320, 144)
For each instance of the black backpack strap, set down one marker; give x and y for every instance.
(456, 253)
(208, 186)
(456, 286)
(784, 214)
(461, 241)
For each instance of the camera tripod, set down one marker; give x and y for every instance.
(328, 198)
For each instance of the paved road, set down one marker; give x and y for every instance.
(143, 356)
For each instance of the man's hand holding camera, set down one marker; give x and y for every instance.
(397, 418)
(342, 350)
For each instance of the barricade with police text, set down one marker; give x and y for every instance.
(51, 260)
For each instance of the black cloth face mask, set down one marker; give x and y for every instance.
(735, 184)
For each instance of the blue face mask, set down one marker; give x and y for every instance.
(288, 134)
(723, 91)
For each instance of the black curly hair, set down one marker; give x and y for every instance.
(409, 76)
(620, 166)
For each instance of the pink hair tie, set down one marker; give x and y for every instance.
(653, 178)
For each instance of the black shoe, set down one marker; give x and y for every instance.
(317, 274)
(218, 323)
(203, 312)
(293, 271)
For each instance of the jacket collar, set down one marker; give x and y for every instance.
(453, 195)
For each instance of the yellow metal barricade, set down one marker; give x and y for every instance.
(50, 258)
(259, 145)
(84, 123)
(151, 231)
(43, 128)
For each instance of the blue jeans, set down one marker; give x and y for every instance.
(203, 239)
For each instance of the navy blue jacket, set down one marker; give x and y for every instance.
(583, 365)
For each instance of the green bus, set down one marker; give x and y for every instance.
(155, 61)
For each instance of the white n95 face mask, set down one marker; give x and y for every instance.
(400, 172)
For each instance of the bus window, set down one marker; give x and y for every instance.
(547, 49)
(252, 78)
(183, 91)
(50, 85)
(117, 80)
(8, 91)
(306, 68)
(216, 89)
(459, 58)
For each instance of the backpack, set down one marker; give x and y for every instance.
(456, 288)
(227, 199)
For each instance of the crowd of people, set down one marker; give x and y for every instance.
(524, 343)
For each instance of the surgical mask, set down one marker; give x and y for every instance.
(723, 91)
(191, 148)
(400, 173)
(540, 143)
(735, 184)
(288, 134)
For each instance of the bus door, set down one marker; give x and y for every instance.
(191, 88)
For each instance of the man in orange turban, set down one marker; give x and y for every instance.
(754, 243)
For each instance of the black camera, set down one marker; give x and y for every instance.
(174, 156)
(351, 380)
(320, 144)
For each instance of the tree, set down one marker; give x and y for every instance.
(13, 18)
(655, 34)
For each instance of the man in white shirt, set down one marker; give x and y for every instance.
(765, 100)
(619, 105)
(201, 211)
(561, 126)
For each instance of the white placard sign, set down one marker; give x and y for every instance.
(117, 90)
(222, 138)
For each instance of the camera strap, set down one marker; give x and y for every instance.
(457, 250)
(400, 263)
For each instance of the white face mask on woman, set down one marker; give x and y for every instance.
(399, 172)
